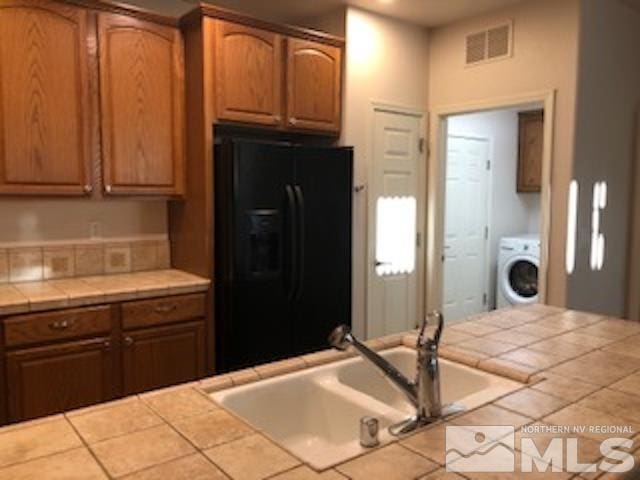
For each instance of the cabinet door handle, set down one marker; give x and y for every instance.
(60, 324)
(88, 188)
(165, 308)
(128, 341)
(107, 344)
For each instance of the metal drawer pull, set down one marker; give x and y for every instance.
(128, 341)
(60, 324)
(165, 309)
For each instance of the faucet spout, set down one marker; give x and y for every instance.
(341, 338)
(424, 392)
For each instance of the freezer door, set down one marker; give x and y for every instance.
(253, 321)
(322, 300)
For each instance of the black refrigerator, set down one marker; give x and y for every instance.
(282, 249)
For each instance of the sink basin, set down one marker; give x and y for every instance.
(458, 383)
(315, 413)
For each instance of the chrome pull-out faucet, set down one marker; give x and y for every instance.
(428, 369)
(424, 391)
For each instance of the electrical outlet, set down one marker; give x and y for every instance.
(95, 230)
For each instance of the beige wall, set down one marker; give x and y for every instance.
(38, 220)
(386, 61)
(608, 98)
(544, 58)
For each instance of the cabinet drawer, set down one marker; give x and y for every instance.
(146, 313)
(53, 326)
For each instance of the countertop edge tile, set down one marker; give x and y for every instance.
(19, 299)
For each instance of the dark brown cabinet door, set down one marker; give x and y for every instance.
(45, 133)
(531, 145)
(141, 91)
(52, 379)
(314, 85)
(163, 356)
(248, 78)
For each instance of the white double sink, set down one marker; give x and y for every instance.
(315, 413)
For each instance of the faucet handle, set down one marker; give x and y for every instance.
(423, 338)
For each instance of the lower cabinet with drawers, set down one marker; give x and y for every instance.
(61, 360)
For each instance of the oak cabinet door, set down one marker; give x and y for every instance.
(314, 85)
(45, 133)
(57, 378)
(141, 93)
(163, 356)
(248, 78)
(530, 151)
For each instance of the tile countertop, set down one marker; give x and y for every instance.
(18, 298)
(579, 369)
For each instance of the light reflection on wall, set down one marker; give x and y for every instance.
(363, 47)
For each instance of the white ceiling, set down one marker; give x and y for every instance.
(428, 13)
(432, 13)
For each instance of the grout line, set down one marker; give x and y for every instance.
(164, 462)
(215, 465)
(200, 449)
(285, 471)
(150, 406)
(115, 437)
(535, 419)
(86, 445)
(40, 457)
(162, 423)
(224, 472)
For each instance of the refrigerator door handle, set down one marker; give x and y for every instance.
(301, 240)
(292, 217)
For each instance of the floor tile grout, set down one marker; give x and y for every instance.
(91, 452)
(41, 457)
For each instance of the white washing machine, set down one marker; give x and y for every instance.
(518, 265)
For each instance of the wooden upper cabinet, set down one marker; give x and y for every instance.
(45, 133)
(530, 151)
(248, 74)
(142, 102)
(314, 85)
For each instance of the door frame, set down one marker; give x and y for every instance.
(633, 270)
(489, 173)
(421, 115)
(436, 181)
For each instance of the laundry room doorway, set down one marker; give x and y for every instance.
(492, 226)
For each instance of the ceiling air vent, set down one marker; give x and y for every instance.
(494, 43)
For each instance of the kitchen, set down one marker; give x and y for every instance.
(132, 135)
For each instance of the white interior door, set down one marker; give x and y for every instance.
(393, 195)
(466, 227)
